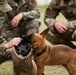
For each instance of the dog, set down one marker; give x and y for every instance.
(46, 54)
(23, 63)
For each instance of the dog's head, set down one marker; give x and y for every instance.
(38, 41)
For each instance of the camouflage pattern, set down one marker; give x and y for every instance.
(4, 53)
(28, 25)
(68, 9)
(4, 6)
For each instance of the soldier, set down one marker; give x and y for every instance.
(5, 46)
(21, 20)
(61, 32)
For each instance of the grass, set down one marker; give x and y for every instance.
(6, 67)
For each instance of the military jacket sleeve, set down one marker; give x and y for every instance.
(33, 11)
(71, 25)
(2, 41)
(51, 13)
(2, 44)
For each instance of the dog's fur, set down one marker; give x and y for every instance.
(52, 54)
(23, 65)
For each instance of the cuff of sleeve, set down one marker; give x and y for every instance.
(2, 47)
(51, 24)
(69, 25)
(74, 35)
(25, 15)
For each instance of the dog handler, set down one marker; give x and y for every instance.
(21, 20)
(4, 45)
(61, 32)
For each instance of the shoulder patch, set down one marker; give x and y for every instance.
(48, 11)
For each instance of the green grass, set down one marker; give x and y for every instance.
(42, 10)
(6, 67)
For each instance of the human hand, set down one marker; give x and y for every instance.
(60, 27)
(15, 21)
(13, 42)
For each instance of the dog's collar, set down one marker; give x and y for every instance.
(40, 53)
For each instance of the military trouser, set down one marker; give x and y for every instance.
(56, 38)
(5, 56)
(26, 28)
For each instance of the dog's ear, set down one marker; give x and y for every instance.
(43, 34)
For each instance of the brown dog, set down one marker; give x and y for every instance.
(52, 54)
(23, 65)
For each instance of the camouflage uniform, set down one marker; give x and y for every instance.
(68, 9)
(29, 23)
(4, 53)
